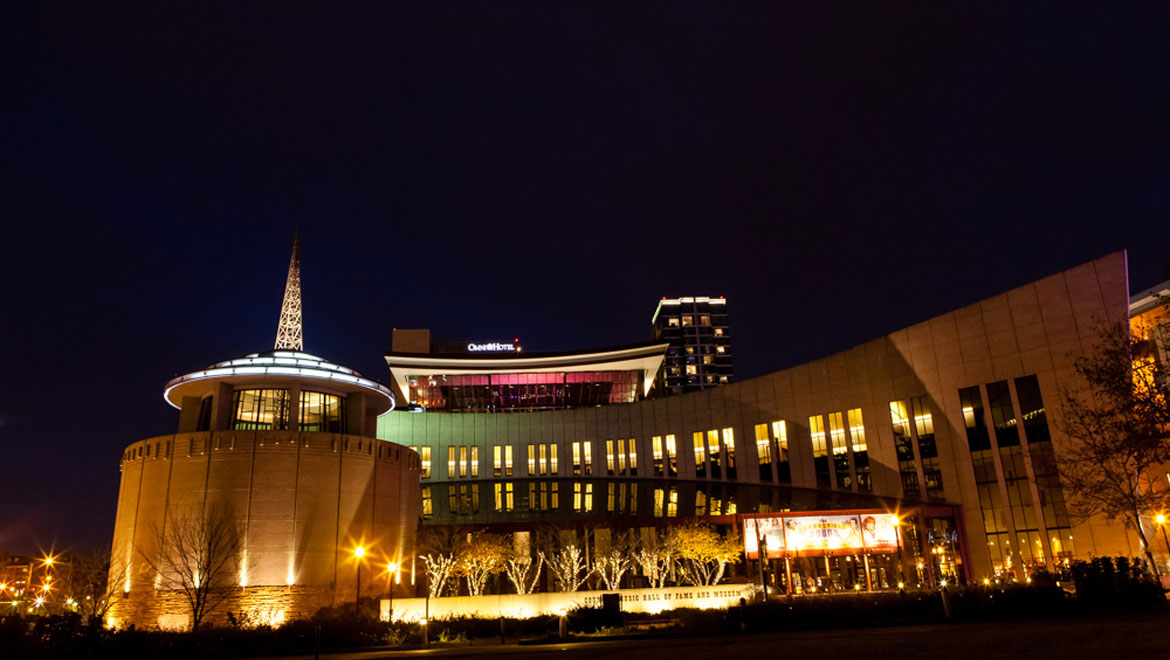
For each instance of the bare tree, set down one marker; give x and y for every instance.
(1118, 426)
(567, 565)
(703, 553)
(443, 546)
(612, 565)
(481, 556)
(94, 581)
(522, 571)
(198, 557)
(655, 554)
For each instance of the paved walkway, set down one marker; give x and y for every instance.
(1133, 637)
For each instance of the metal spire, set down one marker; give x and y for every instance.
(288, 332)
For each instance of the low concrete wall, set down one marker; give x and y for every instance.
(520, 607)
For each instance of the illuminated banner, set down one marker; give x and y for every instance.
(879, 532)
(816, 535)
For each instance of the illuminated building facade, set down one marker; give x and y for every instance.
(274, 462)
(947, 423)
(698, 355)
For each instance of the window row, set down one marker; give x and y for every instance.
(268, 410)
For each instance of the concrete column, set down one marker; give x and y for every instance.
(189, 413)
(221, 415)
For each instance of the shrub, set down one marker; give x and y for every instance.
(1115, 581)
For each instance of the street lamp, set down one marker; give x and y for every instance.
(391, 579)
(358, 553)
(1161, 520)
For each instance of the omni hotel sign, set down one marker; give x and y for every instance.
(817, 535)
(491, 347)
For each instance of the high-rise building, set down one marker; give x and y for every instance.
(699, 355)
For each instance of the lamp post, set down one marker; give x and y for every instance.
(1161, 520)
(358, 553)
(391, 579)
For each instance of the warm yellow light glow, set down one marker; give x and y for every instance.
(901, 585)
(359, 552)
(422, 622)
(391, 567)
(986, 581)
(857, 587)
(49, 560)
(942, 583)
(1160, 519)
(39, 601)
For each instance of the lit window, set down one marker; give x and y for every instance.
(837, 433)
(723, 379)
(704, 320)
(609, 467)
(763, 444)
(780, 433)
(857, 430)
(713, 455)
(260, 410)
(700, 454)
(451, 474)
(671, 456)
(425, 454)
(707, 359)
(729, 452)
(322, 412)
(720, 349)
(816, 425)
(692, 370)
(508, 461)
(656, 455)
(633, 457)
(463, 461)
(497, 461)
(686, 320)
(672, 322)
(718, 332)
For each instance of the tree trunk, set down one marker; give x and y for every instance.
(1146, 547)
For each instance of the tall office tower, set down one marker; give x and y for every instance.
(699, 355)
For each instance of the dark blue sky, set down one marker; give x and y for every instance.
(537, 170)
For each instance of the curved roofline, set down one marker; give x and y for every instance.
(530, 355)
(646, 357)
(278, 365)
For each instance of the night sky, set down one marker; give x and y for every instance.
(543, 170)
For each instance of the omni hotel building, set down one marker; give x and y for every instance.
(929, 454)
